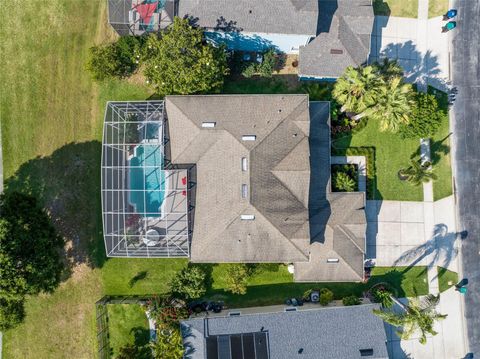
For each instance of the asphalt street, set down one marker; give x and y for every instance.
(466, 135)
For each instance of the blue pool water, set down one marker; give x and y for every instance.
(152, 178)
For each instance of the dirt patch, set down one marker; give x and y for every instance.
(290, 65)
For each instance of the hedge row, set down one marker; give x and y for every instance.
(369, 153)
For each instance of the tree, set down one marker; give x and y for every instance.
(118, 59)
(426, 118)
(418, 173)
(388, 69)
(417, 315)
(343, 182)
(236, 278)
(178, 61)
(189, 283)
(356, 89)
(29, 254)
(393, 106)
(12, 312)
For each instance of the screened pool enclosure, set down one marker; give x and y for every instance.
(134, 17)
(144, 204)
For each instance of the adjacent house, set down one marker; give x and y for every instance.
(229, 178)
(328, 35)
(327, 333)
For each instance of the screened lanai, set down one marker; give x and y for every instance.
(144, 204)
(134, 17)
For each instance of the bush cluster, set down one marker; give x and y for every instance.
(263, 69)
(118, 59)
(326, 296)
(189, 283)
(351, 300)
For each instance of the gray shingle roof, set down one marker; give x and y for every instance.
(344, 25)
(327, 333)
(279, 16)
(277, 177)
(297, 218)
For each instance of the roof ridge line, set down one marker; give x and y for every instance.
(346, 262)
(349, 234)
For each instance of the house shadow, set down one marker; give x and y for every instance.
(67, 184)
(319, 143)
(439, 250)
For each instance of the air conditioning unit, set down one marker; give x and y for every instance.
(315, 296)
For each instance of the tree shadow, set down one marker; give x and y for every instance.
(418, 67)
(137, 277)
(441, 248)
(141, 339)
(67, 184)
(438, 149)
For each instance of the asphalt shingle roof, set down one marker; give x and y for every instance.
(327, 333)
(279, 16)
(344, 25)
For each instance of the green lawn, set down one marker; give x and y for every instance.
(437, 7)
(127, 324)
(400, 8)
(444, 277)
(440, 151)
(391, 154)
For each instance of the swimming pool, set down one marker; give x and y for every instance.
(147, 180)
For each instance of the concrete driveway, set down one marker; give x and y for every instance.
(412, 233)
(419, 46)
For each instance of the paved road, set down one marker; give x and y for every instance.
(466, 109)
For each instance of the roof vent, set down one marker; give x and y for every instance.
(336, 51)
(332, 260)
(249, 138)
(244, 164)
(208, 124)
(366, 352)
(247, 217)
(244, 191)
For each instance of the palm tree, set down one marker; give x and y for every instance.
(343, 182)
(417, 315)
(388, 68)
(394, 104)
(418, 173)
(355, 90)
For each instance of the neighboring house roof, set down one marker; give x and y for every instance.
(343, 39)
(277, 178)
(328, 333)
(279, 16)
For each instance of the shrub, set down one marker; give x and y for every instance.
(426, 118)
(189, 283)
(168, 346)
(343, 182)
(326, 296)
(306, 297)
(179, 61)
(351, 300)
(118, 59)
(237, 278)
(383, 296)
(269, 63)
(369, 153)
(249, 70)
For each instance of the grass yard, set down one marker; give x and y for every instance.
(391, 154)
(437, 7)
(440, 151)
(400, 8)
(444, 277)
(274, 284)
(127, 324)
